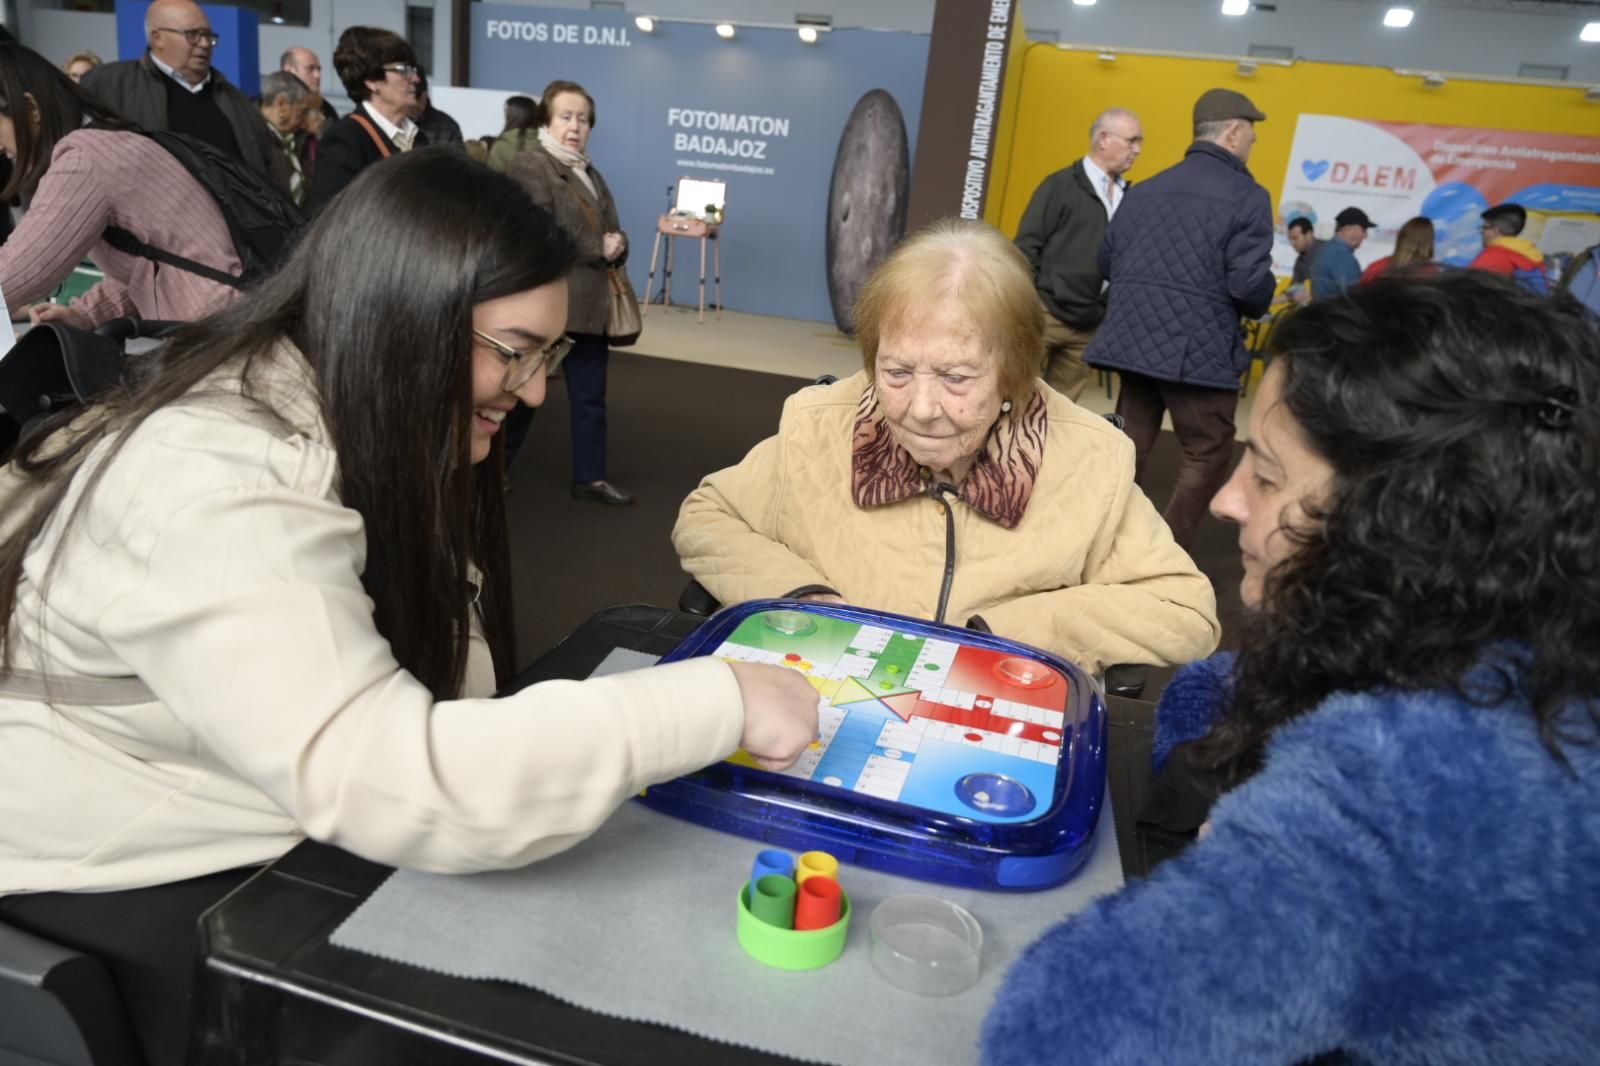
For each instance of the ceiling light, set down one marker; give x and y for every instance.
(1084, 3)
(1590, 32)
(808, 34)
(1434, 81)
(1398, 18)
(1107, 57)
(1235, 7)
(645, 23)
(1247, 68)
(725, 30)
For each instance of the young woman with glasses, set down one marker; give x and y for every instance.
(379, 71)
(80, 169)
(264, 593)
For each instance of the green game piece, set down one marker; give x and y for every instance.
(773, 903)
(787, 949)
(892, 668)
(931, 667)
(886, 684)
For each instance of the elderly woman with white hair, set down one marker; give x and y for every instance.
(947, 481)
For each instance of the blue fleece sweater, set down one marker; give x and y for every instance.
(1409, 878)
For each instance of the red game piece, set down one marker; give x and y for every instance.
(818, 904)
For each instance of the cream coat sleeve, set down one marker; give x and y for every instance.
(727, 532)
(1142, 599)
(240, 605)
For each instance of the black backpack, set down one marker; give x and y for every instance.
(261, 219)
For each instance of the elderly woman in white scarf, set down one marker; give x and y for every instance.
(561, 179)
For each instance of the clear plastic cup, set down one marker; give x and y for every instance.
(926, 945)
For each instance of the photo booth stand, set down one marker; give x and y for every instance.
(696, 213)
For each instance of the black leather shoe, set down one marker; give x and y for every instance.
(601, 492)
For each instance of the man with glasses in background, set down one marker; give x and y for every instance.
(1060, 235)
(173, 86)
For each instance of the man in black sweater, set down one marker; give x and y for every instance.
(1060, 234)
(174, 87)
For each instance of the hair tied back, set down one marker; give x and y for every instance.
(1555, 409)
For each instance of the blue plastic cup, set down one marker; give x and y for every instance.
(771, 862)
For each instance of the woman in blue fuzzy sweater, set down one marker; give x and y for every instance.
(1404, 864)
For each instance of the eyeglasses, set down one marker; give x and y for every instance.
(521, 366)
(196, 37)
(405, 70)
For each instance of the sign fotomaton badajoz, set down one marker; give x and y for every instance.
(764, 112)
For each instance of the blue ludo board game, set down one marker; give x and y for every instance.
(945, 754)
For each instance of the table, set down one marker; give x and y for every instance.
(271, 988)
(672, 227)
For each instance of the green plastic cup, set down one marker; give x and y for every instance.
(787, 949)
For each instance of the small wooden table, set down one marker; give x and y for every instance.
(672, 227)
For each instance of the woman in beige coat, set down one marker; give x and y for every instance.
(559, 176)
(947, 481)
(264, 595)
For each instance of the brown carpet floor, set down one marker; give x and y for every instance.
(670, 424)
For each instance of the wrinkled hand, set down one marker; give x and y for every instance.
(780, 713)
(59, 313)
(611, 245)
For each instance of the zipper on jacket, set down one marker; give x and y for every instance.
(938, 493)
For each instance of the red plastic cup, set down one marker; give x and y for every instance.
(817, 906)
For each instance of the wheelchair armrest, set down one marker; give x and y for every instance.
(60, 1006)
(697, 599)
(1125, 679)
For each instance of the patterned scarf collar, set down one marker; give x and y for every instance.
(999, 484)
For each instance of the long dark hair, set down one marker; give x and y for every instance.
(1461, 416)
(522, 113)
(378, 296)
(63, 105)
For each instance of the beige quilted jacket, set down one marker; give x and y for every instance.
(1090, 571)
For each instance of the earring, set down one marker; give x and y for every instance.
(1005, 407)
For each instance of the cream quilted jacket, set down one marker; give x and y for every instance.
(1090, 571)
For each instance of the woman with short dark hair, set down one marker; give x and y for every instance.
(1403, 865)
(380, 72)
(80, 168)
(263, 593)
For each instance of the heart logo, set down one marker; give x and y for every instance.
(1314, 168)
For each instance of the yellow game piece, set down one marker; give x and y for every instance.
(814, 864)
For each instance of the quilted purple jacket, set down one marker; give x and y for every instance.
(1189, 252)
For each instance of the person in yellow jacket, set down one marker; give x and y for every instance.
(946, 481)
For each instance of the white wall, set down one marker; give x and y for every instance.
(1463, 39)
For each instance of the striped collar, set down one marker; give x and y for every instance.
(1001, 480)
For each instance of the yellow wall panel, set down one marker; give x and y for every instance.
(1062, 91)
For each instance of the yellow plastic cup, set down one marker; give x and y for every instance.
(816, 863)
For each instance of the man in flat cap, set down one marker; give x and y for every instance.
(1188, 253)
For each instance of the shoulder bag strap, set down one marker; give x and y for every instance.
(35, 687)
(124, 241)
(372, 131)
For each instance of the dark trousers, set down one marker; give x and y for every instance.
(147, 937)
(1202, 418)
(585, 372)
